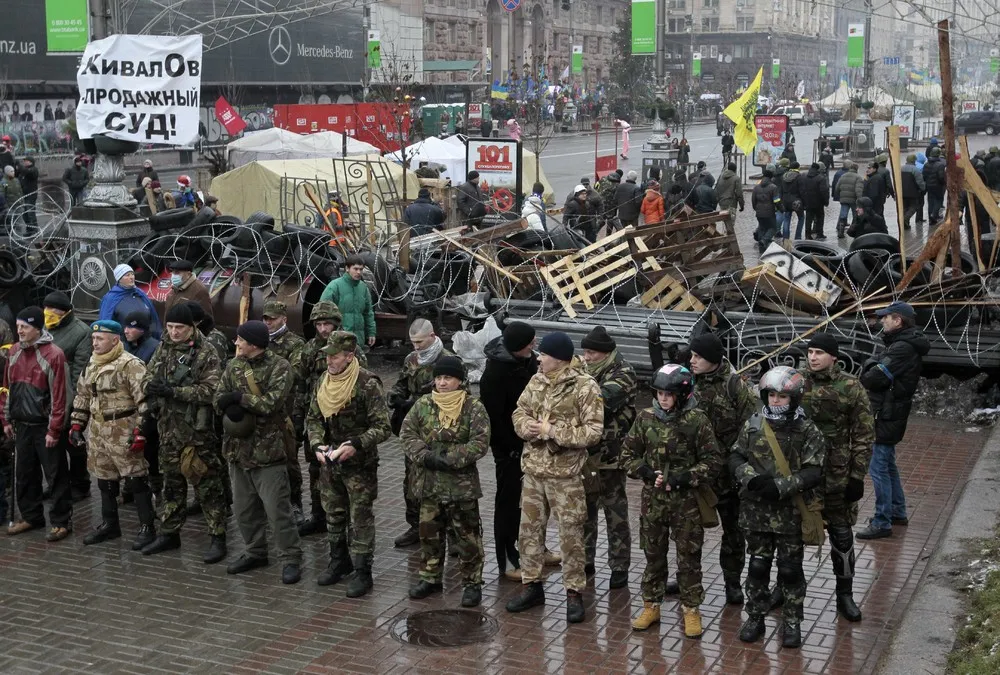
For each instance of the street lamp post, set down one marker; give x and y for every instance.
(658, 138)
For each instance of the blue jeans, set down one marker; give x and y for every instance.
(889, 499)
(845, 210)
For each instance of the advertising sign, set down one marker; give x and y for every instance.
(374, 49)
(577, 59)
(904, 117)
(67, 26)
(775, 69)
(772, 136)
(855, 45)
(643, 27)
(475, 121)
(373, 123)
(696, 64)
(970, 106)
(498, 161)
(143, 88)
(228, 117)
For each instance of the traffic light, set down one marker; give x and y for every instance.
(565, 5)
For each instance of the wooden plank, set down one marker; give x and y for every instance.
(604, 285)
(677, 248)
(665, 282)
(484, 260)
(897, 177)
(678, 223)
(599, 258)
(649, 260)
(952, 177)
(563, 300)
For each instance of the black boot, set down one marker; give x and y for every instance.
(845, 600)
(619, 579)
(408, 538)
(532, 595)
(316, 522)
(109, 527)
(163, 542)
(144, 508)
(424, 588)
(777, 597)
(217, 550)
(734, 592)
(340, 565)
(361, 581)
(841, 228)
(574, 607)
(753, 628)
(791, 635)
(472, 596)
(193, 508)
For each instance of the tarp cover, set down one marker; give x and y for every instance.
(272, 144)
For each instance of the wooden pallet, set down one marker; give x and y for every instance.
(694, 247)
(582, 277)
(668, 293)
(765, 280)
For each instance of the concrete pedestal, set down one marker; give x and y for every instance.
(101, 238)
(659, 155)
(863, 142)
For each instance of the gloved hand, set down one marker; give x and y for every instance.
(680, 481)
(235, 413)
(159, 387)
(764, 487)
(76, 435)
(435, 462)
(230, 398)
(395, 400)
(647, 474)
(854, 491)
(138, 445)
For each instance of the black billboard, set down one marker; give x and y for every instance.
(281, 46)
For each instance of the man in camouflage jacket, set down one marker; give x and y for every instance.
(838, 404)
(253, 398)
(109, 404)
(348, 481)
(672, 449)
(603, 478)
(768, 515)
(559, 415)
(447, 451)
(729, 403)
(415, 380)
(180, 382)
(288, 345)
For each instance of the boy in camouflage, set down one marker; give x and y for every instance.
(769, 517)
(445, 433)
(347, 420)
(559, 415)
(603, 478)
(672, 449)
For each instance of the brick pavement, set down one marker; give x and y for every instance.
(66, 608)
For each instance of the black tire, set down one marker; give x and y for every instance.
(865, 269)
(171, 219)
(11, 271)
(204, 216)
(260, 217)
(817, 248)
(876, 241)
(991, 130)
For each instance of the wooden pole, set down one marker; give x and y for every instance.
(245, 299)
(951, 166)
(897, 177)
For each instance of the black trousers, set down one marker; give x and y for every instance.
(79, 477)
(507, 511)
(33, 460)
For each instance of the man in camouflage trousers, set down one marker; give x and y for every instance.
(347, 420)
(559, 415)
(769, 515)
(308, 365)
(728, 403)
(415, 380)
(110, 402)
(838, 404)
(672, 449)
(603, 478)
(445, 433)
(287, 345)
(180, 383)
(253, 399)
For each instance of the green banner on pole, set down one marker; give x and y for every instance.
(995, 61)
(577, 59)
(775, 69)
(855, 45)
(374, 49)
(696, 64)
(822, 69)
(643, 27)
(67, 25)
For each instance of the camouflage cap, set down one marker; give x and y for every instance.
(326, 310)
(784, 161)
(275, 308)
(340, 341)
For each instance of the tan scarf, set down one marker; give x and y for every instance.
(336, 391)
(101, 359)
(554, 375)
(449, 406)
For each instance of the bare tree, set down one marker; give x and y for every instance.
(538, 129)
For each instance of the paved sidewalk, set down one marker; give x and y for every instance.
(66, 608)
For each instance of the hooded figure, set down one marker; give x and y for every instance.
(866, 220)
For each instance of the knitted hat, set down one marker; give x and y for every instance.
(449, 365)
(197, 311)
(106, 326)
(273, 308)
(137, 320)
(708, 346)
(179, 313)
(517, 335)
(340, 341)
(57, 300)
(122, 270)
(423, 193)
(32, 316)
(598, 340)
(825, 342)
(558, 345)
(255, 332)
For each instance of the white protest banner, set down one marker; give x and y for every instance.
(144, 88)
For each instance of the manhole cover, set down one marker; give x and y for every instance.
(445, 628)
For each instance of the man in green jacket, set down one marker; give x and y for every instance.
(354, 299)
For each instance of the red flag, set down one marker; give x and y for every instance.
(228, 117)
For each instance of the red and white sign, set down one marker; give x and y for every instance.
(604, 165)
(498, 161)
(903, 116)
(475, 120)
(772, 136)
(374, 123)
(970, 106)
(228, 117)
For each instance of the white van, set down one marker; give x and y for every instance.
(800, 113)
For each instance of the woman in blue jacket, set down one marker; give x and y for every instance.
(124, 298)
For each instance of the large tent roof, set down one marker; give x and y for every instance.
(842, 97)
(280, 144)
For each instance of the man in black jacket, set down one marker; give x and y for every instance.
(76, 178)
(766, 203)
(470, 201)
(791, 201)
(423, 215)
(510, 363)
(815, 198)
(891, 378)
(934, 179)
(628, 199)
(29, 187)
(578, 214)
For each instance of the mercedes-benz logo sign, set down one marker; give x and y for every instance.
(279, 44)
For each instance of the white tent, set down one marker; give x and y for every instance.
(274, 143)
(843, 95)
(443, 155)
(528, 176)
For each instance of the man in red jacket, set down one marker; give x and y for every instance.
(34, 402)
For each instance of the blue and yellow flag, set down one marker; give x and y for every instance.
(742, 112)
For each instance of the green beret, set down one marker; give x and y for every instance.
(106, 326)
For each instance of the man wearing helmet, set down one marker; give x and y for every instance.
(672, 449)
(777, 461)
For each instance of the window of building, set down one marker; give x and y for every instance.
(452, 33)
(676, 26)
(676, 4)
(713, 51)
(429, 32)
(711, 4)
(743, 51)
(710, 25)
(744, 24)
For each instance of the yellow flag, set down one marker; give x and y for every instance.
(742, 112)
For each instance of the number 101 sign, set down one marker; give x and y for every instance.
(496, 160)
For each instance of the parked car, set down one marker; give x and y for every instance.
(800, 113)
(981, 120)
(831, 115)
(836, 135)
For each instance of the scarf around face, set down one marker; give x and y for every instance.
(595, 369)
(449, 406)
(429, 354)
(781, 414)
(336, 391)
(101, 359)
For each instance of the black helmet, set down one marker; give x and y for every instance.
(674, 379)
(783, 380)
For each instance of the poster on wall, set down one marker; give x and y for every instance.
(498, 161)
(904, 116)
(772, 135)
